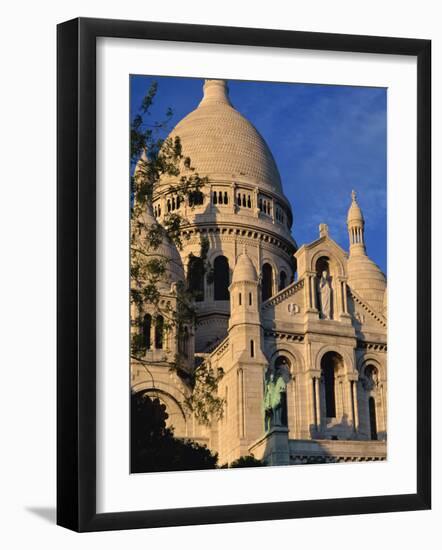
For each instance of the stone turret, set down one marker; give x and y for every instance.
(364, 276)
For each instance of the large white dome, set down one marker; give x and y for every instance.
(222, 144)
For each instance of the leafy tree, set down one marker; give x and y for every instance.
(154, 447)
(248, 461)
(156, 159)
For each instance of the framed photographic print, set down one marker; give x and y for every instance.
(243, 274)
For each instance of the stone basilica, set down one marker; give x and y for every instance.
(308, 321)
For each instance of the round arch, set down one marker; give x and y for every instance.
(335, 261)
(297, 365)
(176, 415)
(349, 366)
(161, 387)
(371, 358)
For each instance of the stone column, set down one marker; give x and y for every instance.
(355, 404)
(255, 202)
(310, 291)
(317, 380)
(341, 297)
(352, 385)
(233, 197)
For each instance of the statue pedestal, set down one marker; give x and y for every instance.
(273, 447)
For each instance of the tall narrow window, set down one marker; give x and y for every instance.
(330, 402)
(249, 202)
(282, 280)
(372, 413)
(221, 278)
(239, 299)
(186, 342)
(226, 199)
(220, 197)
(215, 198)
(250, 299)
(159, 332)
(267, 282)
(195, 278)
(330, 363)
(252, 348)
(147, 323)
(238, 200)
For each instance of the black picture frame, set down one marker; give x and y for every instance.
(76, 274)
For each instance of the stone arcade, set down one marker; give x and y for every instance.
(300, 332)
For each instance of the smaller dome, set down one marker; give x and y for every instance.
(367, 280)
(244, 270)
(354, 212)
(165, 251)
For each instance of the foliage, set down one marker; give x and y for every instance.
(203, 401)
(154, 447)
(248, 461)
(156, 161)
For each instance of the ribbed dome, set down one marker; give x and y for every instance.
(244, 270)
(221, 142)
(367, 280)
(165, 251)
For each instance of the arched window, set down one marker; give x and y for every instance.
(147, 323)
(215, 198)
(252, 348)
(282, 280)
(226, 199)
(196, 197)
(238, 199)
(168, 205)
(173, 203)
(178, 202)
(249, 202)
(183, 341)
(323, 264)
(372, 414)
(220, 197)
(260, 204)
(239, 299)
(195, 278)
(250, 299)
(221, 278)
(159, 210)
(267, 282)
(330, 363)
(159, 332)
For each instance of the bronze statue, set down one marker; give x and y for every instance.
(275, 402)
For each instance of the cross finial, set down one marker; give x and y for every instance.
(353, 195)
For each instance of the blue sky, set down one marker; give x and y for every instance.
(326, 140)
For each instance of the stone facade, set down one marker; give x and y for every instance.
(314, 315)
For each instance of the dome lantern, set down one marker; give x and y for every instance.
(355, 225)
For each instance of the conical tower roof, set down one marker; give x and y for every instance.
(244, 270)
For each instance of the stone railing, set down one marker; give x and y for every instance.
(283, 294)
(325, 450)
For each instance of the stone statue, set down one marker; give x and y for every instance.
(325, 296)
(274, 402)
